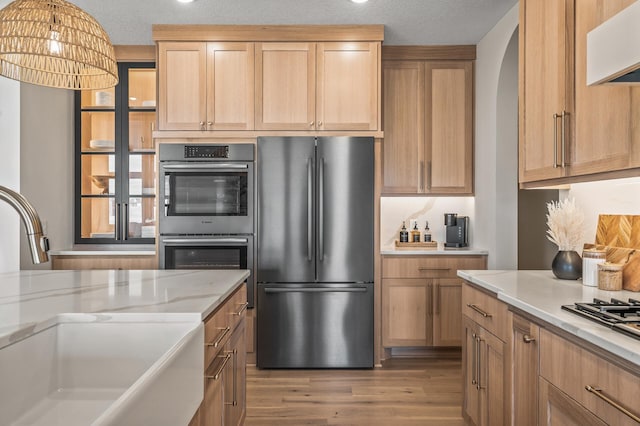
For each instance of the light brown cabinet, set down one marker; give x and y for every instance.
(206, 86)
(428, 125)
(568, 130)
(599, 386)
(525, 358)
(224, 400)
(317, 86)
(421, 299)
(485, 359)
(103, 262)
(558, 409)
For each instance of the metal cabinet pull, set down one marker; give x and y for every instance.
(421, 177)
(478, 310)
(438, 296)
(311, 124)
(429, 175)
(479, 361)
(202, 125)
(555, 140)
(125, 222)
(242, 309)
(117, 221)
(217, 374)
(422, 269)
(220, 338)
(235, 377)
(209, 123)
(430, 304)
(474, 364)
(564, 115)
(309, 209)
(528, 339)
(598, 392)
(321, 211)
(319, 123)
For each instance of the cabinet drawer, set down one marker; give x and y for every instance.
(429, 266)
(237, 307)
(572, 368)
(217, 330)
(485, 310)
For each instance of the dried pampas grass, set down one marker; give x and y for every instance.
(565, 224)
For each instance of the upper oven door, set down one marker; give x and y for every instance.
(206, 197)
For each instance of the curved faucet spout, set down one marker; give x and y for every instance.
(38, 243)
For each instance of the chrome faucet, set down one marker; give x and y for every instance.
(38, 243)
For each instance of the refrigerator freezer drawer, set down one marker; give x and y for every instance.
(315, 326)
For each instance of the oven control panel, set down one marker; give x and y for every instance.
(206, 151)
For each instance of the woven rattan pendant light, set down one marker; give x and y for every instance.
(55, 43)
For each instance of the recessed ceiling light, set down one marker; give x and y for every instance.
(185, 1)
(359, 1)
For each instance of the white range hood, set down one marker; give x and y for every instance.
(613, 49)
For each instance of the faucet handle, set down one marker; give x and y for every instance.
(44, 244)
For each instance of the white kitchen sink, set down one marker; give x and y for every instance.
(106, 369)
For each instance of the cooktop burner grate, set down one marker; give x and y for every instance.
(619, 315)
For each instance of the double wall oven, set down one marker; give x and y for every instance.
(207, 207)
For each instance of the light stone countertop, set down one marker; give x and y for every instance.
(542, 295)
(30, 301)
(440, 251)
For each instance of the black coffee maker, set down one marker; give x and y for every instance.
(457, 230)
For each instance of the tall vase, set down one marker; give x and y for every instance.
(567, 265)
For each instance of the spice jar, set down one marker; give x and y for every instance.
(610, 276)
(591, 258)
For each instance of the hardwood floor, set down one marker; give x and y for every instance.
(405, 392)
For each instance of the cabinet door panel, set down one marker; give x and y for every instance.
(557, 409)
(525, 360)
(449, 127)
(407, 312)
(182, 85)
(285, 86)
(403, 147)
(546, 87)
(603, 116)
(471, 396)
(491, 379)
(230, 83)
(347, 86)
(447, 316)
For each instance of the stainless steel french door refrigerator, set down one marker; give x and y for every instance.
(315, 252)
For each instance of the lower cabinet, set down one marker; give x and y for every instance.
(103, 262)
(224, 402)
(559, 409)
(552, 378)
(525, 360)
(421, 299)
(484, 379)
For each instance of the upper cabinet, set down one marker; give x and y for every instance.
(287, 78)
(428, 121)
(115, 159)
(206, 86)
(285, 86)
(570, 131)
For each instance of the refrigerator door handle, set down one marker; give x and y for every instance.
(310, 209)
(321, 211)
(316, 290)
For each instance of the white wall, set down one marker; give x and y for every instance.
(492, 166)
(10, 226)
(394, 210)
(619, 196)
(47, 164)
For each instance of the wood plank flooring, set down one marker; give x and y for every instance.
(405, 392)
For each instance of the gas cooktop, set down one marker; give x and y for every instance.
(616, 314)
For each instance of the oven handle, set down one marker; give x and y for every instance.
(201, 166)
(205, 241)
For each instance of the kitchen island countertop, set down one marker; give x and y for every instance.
(541, 295)
(31, 300)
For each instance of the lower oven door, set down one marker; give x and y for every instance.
(209, 252)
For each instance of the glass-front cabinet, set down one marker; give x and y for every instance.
(115, 160)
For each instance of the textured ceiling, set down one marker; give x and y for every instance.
(406, 21)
